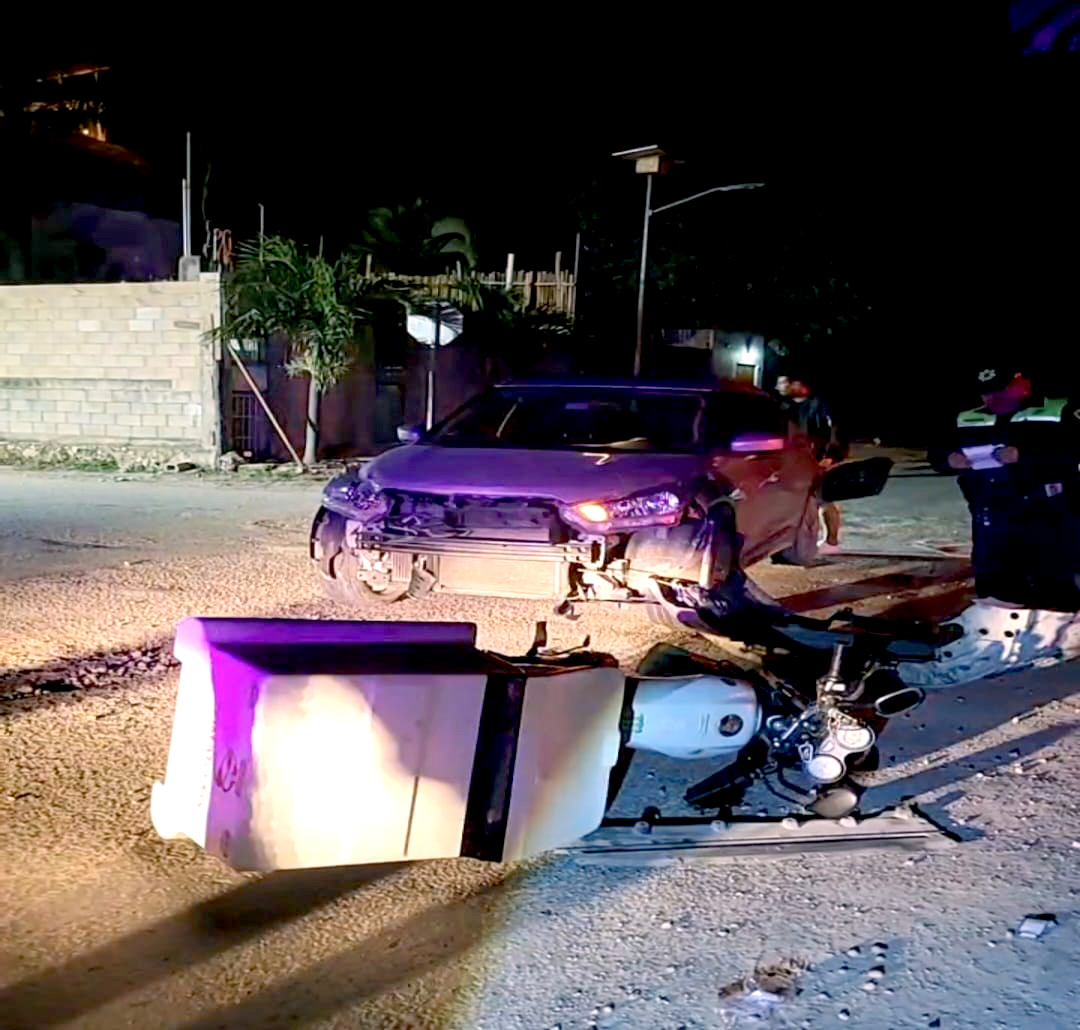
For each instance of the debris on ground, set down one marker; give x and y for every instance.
(112, 670)
(757, 996)
(1033, 927)
(230, 461)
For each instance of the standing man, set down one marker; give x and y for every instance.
(1016, 460)
(814, 418)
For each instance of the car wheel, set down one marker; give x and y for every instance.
(724, 551)
(340, 570)
(345, 570)
(805, 549)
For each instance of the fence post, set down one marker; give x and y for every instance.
(509, 270)
(577, 265)
(558, 281)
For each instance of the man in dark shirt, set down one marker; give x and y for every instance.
(1016, 457)
(814, 419)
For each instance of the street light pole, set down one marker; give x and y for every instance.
(641, 276)
(649, 160)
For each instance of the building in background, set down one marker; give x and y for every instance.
(77, 206)
(727, 355)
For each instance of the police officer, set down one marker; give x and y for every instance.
(1016, 456)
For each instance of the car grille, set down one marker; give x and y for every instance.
(481, 517)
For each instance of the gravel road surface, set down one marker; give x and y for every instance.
(103, 925)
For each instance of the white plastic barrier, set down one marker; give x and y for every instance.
(300, 744)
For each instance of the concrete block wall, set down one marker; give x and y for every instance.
(112, 364)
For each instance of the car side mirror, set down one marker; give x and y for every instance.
(854, 479)
(757, 443)
(409, 434)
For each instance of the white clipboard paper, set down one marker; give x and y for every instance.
(982, 458)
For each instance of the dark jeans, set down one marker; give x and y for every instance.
(1027, 552)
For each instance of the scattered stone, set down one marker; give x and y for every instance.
(869, 986)
(853, 952)
(877, 973)
(879, 948)
(843, 1015)
(180, 466)
(934, 1023)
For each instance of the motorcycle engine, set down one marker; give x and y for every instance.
(825, 760)
(821, 740)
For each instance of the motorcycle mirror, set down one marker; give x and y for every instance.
(888, 706)
(409, 434)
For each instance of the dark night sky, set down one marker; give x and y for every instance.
(929, 144)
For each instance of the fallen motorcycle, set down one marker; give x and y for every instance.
(301, 743)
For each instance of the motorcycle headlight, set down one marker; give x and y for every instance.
(657, 508)
(358, 499)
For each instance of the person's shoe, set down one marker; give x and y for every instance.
(828, 548)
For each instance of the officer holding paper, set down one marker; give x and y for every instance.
(1017, 457)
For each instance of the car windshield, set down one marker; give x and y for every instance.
(575, 418)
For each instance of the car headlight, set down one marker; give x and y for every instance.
(657, 508)
(358, 499)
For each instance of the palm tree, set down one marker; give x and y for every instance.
(402, 240)
(317, 304)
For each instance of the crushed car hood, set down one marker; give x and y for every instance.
(566, 476)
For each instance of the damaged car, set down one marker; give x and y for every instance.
(575, 491)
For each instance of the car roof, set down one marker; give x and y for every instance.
(661, 385)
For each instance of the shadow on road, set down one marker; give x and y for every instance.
(955, 714)
(376, 966)
(129, 963)
(887, 795)
(949, 570)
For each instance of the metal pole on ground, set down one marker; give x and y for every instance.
(266, 407)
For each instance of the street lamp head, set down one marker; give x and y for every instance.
(647, 160)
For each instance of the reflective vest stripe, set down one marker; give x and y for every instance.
(975, 417)
(1049, 412)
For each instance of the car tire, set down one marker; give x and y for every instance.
(724, 564)
(725, 547)
(804, 551)
(346, 585)
(339, 569)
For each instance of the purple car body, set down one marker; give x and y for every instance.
(574, 491)
(569, 477)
